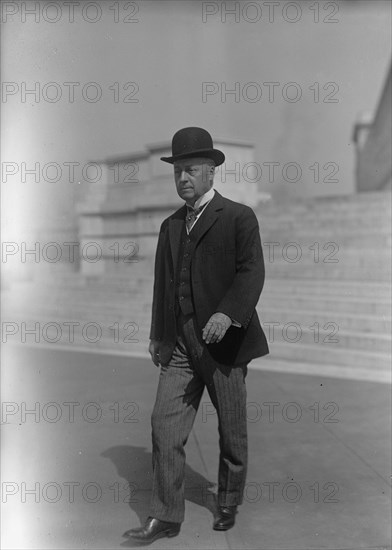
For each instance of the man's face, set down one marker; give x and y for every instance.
(193, 177)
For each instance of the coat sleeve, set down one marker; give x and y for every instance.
(241, 299)
(156, 331)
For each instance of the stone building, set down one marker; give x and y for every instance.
(316, 175)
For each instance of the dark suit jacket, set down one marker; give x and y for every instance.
(227, 275)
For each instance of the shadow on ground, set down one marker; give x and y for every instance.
(132, 462)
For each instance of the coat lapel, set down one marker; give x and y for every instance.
(208, 217)
(176, 226)
(177, 223)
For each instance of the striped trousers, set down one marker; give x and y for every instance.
(180, 388)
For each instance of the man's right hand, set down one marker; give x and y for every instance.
(153, 348)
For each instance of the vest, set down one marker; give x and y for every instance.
(183, 297)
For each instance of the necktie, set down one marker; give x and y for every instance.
(192, 214)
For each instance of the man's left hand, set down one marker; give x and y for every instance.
(216, 328)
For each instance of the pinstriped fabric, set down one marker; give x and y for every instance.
(180, 388)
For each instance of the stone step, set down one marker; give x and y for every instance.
(286, 331)
(89, 288)
(311, 233)
(318, 227)
(326, 206)
(341, 271)
(137, 346)
(378, 271)
(88, 295)
(68, 299)
(366, 202)
(350, 310)
(367, 199)
(357, 322)
(293, 212)
(137, 342)
(359, 335)
(334, 272)
(316, 333)
(297, 255)
(364, 305)
(272, 285)
(37, 329)
(376, 242)
(319, 232)
(352, 294)
(337, 210)
(138, 314)
(327, 287)
(307, 238)
(350, 222)
(327, 355)
(132, 229)
(303, 298)
(329, 336)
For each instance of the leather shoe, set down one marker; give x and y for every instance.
(225, 518)
(153, 529)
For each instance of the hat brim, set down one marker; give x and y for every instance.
(217, 156)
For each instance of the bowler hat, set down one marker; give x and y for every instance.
(194, 142)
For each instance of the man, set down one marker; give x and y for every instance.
(209, 273)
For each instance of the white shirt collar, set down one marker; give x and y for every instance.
(203, 199)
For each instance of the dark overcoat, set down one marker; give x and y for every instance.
(227, 275)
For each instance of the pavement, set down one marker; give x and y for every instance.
(77, 458)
